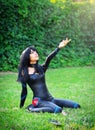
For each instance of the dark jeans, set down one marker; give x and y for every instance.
(53, 106)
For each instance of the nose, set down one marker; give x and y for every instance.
(36, 53)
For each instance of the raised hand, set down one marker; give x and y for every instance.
(64, 43)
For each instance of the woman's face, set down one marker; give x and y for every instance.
(34, 57)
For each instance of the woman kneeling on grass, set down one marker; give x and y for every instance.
(33, 74)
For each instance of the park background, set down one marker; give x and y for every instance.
(43, 24)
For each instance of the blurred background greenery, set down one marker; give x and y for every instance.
(44, 24)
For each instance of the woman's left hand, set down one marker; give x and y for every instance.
(64, 43)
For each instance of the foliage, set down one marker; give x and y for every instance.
(44, 24)
(77, 84)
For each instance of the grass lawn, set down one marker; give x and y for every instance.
(77, 84)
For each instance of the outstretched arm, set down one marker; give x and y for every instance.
(49, 58)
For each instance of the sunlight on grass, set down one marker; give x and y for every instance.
(76, 84)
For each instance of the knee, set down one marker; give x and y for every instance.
(76, 105)
(58, 109)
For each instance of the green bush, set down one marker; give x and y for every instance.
(43, 24)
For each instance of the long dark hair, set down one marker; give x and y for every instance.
(24, 64)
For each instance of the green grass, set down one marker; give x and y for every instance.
(77, 84)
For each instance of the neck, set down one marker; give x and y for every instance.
(33, 62)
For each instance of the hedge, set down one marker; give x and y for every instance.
(44, 24)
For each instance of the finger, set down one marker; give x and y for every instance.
(69, 40)
(66, 39)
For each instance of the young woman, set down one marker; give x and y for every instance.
(33, 74)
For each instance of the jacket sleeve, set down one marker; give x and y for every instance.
(23, 94)
(49, 58)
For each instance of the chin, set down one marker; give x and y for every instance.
(37, 60)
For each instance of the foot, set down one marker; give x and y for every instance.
(64, 113)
